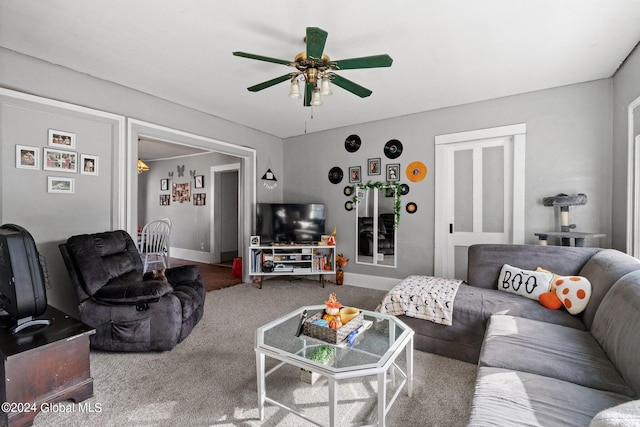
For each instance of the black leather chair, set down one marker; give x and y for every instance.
(128, 313)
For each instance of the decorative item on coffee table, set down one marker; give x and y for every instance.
(327, 325)
(320, 354)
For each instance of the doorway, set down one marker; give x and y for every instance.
(246, 158)
(225, 230)
(479, 193)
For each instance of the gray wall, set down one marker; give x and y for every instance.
(568, 151)
(191, 225)
(51, 220)
(626, 88)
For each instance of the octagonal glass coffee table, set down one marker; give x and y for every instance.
(373, 352)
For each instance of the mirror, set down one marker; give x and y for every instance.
(376, 226)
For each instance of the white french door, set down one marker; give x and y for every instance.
(479, 194)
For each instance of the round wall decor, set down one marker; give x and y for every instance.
(404, 189)
(416, 171)
(352, 143)
(335, 175)
(348, 205)
(411, 207)
(348, 190)
(393, 149)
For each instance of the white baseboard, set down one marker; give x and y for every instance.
(190, 255)
(371, 282)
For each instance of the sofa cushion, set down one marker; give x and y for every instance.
(101, 257)
(574, 292)
(550, 350)
(616, 326)
(603, 270)
(471, 310)
(526, 283)
(623, 415)
(510, 398)
(486, 260)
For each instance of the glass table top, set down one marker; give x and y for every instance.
(372, 348)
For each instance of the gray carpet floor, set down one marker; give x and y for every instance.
(210, 378)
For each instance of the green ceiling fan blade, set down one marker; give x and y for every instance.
(308, 93)
(374, 61)
(352, 87)
(262, 58)
(316, 38)
(269, 83)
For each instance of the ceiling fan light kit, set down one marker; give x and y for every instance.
(316, 70)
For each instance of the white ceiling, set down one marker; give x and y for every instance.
(445, 52)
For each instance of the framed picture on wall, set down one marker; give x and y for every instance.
(27, 157)
(165, 199)
(374, 167)
(198, 181)
(62, 161)
(199, 199)
(56, 184)
(354, 174)
(393, 172)
(164, 184)
(181, 192)
(89, 164)
(61, 139)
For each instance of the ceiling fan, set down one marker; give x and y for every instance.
(317, 70)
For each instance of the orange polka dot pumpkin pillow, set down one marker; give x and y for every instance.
(574, 292)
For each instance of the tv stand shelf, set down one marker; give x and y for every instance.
(291, 260)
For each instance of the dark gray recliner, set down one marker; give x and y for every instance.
(128, 313)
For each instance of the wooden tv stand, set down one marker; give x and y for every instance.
(43, 365)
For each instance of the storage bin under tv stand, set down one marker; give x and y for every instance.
(292, 260)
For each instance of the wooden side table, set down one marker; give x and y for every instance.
(43, 365)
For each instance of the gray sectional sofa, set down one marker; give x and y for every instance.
(542, 367)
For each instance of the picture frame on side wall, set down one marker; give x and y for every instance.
(199, 199)
(374, 167)
(165, 199)
(89, 164)
(355, 174)
(62, 139)
(164, 184)
(198, 181)
(61, 185)
(393, 172)
(61, 161)
(27, 157)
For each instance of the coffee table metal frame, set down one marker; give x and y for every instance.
(381, 368)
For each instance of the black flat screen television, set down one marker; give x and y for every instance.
(290, 222)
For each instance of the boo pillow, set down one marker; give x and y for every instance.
(526, 283)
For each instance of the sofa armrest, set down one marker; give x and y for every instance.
(132, 293)
(183, 273)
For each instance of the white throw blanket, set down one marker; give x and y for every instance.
(422, 297)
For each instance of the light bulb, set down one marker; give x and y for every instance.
(294, 90)
(325, 87)
(316, 99)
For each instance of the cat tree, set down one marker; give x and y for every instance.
(564, 202)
